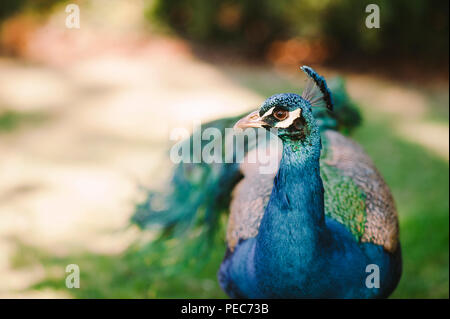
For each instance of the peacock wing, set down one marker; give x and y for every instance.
(356, 194)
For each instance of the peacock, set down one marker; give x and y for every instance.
(321, 224)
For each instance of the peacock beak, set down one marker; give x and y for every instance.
(251, 120)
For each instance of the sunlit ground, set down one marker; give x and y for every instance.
(85, 121)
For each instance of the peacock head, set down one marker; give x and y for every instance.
(291, 114)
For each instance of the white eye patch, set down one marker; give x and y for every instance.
(268, 112)
(290, 119)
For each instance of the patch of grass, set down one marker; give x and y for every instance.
(153, 270)
(11, 120)
(438, 111)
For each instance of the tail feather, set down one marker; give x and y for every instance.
(199, 192)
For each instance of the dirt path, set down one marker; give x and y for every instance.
(70, 182)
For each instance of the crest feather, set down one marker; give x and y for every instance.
(316, 91)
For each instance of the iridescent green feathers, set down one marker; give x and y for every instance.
(352, 163)
(344, 200)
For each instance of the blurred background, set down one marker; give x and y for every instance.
(85, 116)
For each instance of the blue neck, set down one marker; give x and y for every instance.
(293, 226)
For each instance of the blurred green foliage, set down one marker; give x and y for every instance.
(249, 25)
(11, 120)
(413, 29)
(11, 7)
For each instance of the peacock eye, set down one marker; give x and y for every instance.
(280, 115)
